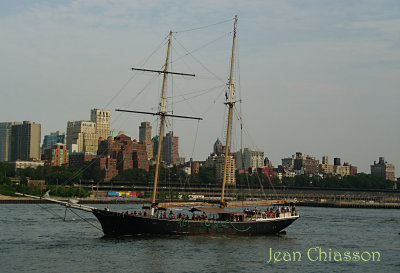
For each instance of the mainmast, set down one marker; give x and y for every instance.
(230, 103)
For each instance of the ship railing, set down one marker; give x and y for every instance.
(263, 216)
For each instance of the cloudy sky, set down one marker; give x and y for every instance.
(318, 77)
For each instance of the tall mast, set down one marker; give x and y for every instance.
(162, 114)
(230, 103)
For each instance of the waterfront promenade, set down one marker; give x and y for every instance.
(332, 200)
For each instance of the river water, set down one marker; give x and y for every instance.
(35, 238)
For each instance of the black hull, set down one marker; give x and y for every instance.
(125, 224)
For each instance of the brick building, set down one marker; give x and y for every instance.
(57, 155)
(267, 171)
(121, 153)
(78, 159)
(194, 167)
(109, 165)
(306, 163)
(383, 169)
(140, 156)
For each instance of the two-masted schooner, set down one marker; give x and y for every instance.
(226, 222)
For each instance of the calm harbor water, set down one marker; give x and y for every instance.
(34, 238)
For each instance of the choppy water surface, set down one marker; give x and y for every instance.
(34, 239)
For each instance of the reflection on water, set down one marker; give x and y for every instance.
(34, 240)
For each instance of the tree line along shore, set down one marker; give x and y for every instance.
(63, 181)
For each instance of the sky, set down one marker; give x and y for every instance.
(318, 77)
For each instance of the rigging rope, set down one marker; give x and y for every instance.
(85, 220)
(201, 93)
(209, 71)
(254, 145)
(203, 27)
(195, 139)
(56, 214)
(201, 47)
(202, 90)
(131, 78)
(49, 210)
(80, 171)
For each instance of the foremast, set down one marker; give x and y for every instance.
(163, 114)
(162, 119)
(230, 104)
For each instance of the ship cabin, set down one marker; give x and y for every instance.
(223, 215)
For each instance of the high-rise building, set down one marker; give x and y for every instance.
(218, 147)
(306, 164)
(230, 169)
(170, 148)
(57, 155)
(102, 119)
(268, 163)
(353, 170)
(325, 167)
(288, 162)
(119, 154)
(109, 165)
(5, 140)
(210, 161)
(144, 131)
(78, 159)
(383, 169)
(154, 143)
(57, 137)
(341, 170)
(248, 158)
(145, 138)
(82, 137)
(139, 156)
(25, 141)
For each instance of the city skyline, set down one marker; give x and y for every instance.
(320, 78)
(252, 157)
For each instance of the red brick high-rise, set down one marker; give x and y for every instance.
(121, 153)
(57, 155)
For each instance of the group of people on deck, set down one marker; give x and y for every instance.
(273, 212)
(171, 215)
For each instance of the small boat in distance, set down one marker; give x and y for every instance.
(218, 220)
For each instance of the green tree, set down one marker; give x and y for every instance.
(207, 175)
(92, 171)
(132, 175)
(302, 181)
(6, 171)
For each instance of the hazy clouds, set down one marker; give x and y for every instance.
(319, 77)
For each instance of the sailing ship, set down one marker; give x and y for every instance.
(224, 221)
